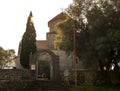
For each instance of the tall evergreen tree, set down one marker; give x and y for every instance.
(28, 43)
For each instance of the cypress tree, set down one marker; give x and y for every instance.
(28, 43)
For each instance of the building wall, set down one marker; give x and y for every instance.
(17, 62)
(51, 35)
(66, 61)
(50, 39)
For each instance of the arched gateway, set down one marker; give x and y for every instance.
(45, 63)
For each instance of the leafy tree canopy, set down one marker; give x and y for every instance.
(99, 37)
(6, 56)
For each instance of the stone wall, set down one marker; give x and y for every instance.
(89, 77)
(14, 74)
(66, 61)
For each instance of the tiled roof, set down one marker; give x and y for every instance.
(42, 44)
(62, 15)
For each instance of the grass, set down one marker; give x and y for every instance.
(94, 88)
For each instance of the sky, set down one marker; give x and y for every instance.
(14, 14)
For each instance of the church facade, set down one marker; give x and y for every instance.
(65, 61)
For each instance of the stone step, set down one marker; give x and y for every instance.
(54, 90)
(49, 85)
(34, 86)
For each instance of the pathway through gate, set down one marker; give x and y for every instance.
(46, 65)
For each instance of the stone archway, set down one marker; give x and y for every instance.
(44, 66)
(54, 63)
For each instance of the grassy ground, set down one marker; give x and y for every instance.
(94, 88)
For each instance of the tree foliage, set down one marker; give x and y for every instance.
(99, 37)
(3, 55)
(64, 31)
(6, 56)
(103, 27)
(28, 43)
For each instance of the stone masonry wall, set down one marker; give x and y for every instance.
(14, 74)
(89, 77)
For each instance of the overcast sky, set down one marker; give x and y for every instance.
(14, 14)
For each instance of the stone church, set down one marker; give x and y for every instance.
(65, 61)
